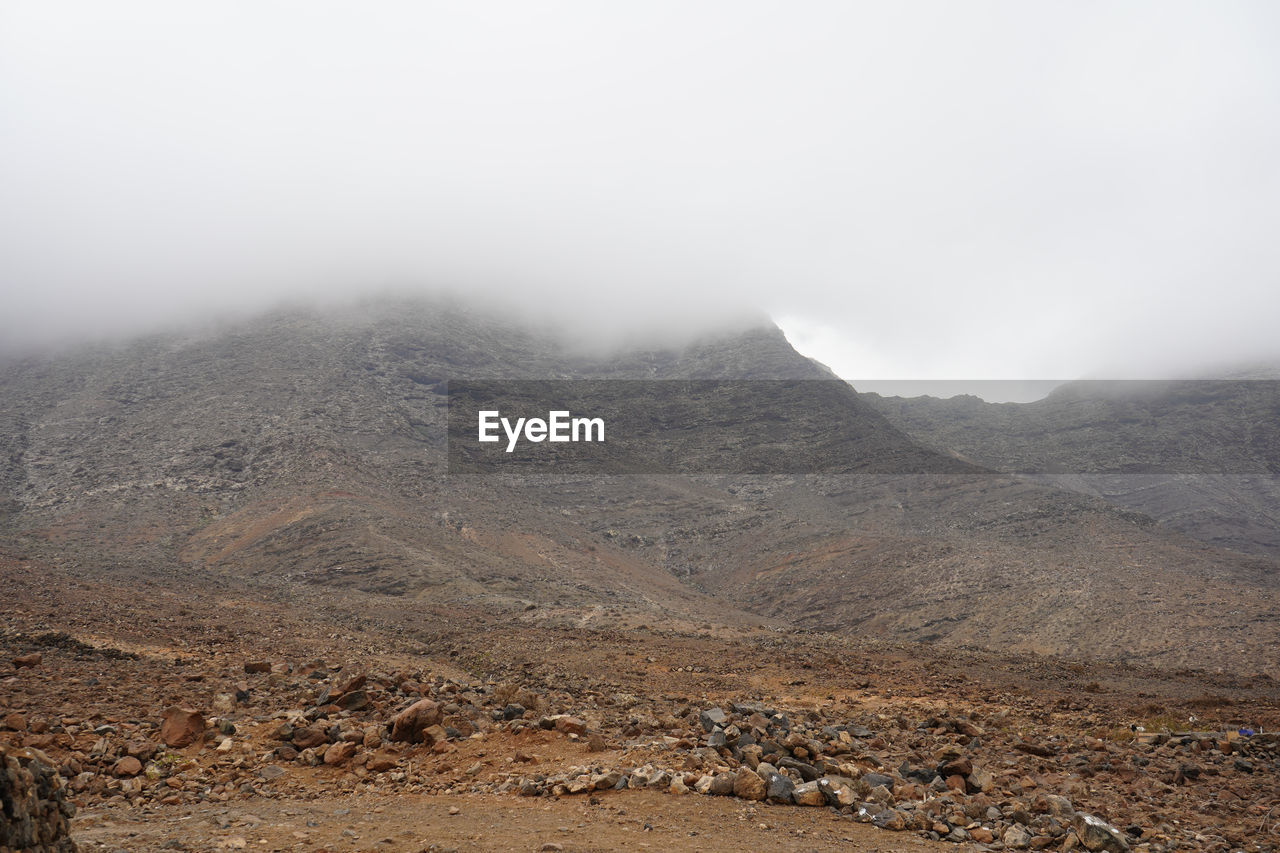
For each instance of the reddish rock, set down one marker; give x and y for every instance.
(30, 660)
(143, 750)
(127, 766)
(352, 682)
(340, 753)
(181, 727)
(748, 786)
(309, 736)
(411, 723)
(356, 700)
(15, 722)
(257, 666)
(380, 762)
(570, 725)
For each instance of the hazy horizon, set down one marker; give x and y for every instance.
(912, 190)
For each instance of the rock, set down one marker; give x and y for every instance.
(355, 700)
(749, 786)
(257, 666)
(37, 812)
(271, 772)
(380, 762)
(309, 736)
(569, 725)
(874, 779)
(1096, 834)
(711, 718)
(340, 752)
(411, 723)
(838, 791)
(982, 779)
(722, 785)
(596, 743)
(955, 767)
(1052, 804)
(779, 789)
(31, 660)
(15, 722)
(890, 819)
(353, 682)
(1016, 837)
(807, 794)
(181, 727)
(1034, 749)
(127, 767)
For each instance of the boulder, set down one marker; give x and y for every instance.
(411, 723)
(181, 727)
(309, 736)
(749, 786)
(340, 752)
(1096, 834)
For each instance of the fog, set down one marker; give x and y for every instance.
(980, 190)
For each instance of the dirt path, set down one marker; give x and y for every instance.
(635, 820)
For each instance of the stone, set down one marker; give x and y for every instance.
(838, 791)
(711, 718)
(1096, 834)
(411, 723)
(181, 727)
(807, 794)
(354, 700)
(30, 661)
(982, 779)
(874, 779)
(380, 762)
(340, 753)
(722, 784)
(309, 736)
(257, 666)
(749, 786)
(596, 743)
(890, 819)
(569, 725)
(779, 789)
(353, 682)
(1016, 837)
(271, 772)
(127, 767)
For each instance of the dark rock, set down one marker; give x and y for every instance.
(711, 718)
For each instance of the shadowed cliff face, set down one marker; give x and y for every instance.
(309, 449)
(1201, 457)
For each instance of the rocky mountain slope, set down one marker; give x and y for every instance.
(306, 450)
(1201, 457)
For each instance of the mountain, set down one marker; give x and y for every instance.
(1201, 457)
(305, 453)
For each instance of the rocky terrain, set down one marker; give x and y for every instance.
(249, 605)
(206, 719)
(1200, 456)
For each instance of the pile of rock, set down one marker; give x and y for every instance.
(34, 810)
(758, 753)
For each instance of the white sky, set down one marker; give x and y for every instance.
(969, 190)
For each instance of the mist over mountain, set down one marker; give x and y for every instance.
(1200, 456)
(308, 447)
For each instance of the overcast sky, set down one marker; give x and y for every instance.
(912, 189)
